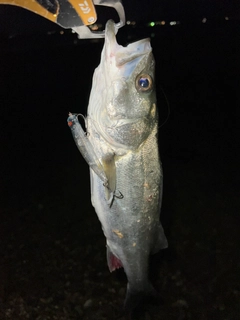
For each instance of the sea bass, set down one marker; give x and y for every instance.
(121, 148)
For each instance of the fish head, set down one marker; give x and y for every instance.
(122, 103)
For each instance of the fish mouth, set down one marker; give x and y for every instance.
(110, 32)
(117, 123)
(123, 54)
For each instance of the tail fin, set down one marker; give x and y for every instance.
(137, 296)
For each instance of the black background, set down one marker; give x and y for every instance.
(52, 245)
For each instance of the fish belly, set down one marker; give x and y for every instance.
(131, 225)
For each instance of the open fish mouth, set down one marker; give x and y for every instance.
(123, 54)
(110, 32)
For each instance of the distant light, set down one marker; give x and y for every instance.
(162, 23)
(226, 18)
(173, 23)
(61, 32)
(131, 23)
(204, 20)
(152, 24)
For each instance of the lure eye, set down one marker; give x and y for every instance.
(144, 83)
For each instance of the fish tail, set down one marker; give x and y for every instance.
(136, 296)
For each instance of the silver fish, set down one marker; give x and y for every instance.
(121, 148)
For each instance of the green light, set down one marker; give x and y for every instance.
(152, 24)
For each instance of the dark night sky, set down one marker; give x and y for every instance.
(16, 20)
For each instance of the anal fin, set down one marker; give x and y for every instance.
(113, 262)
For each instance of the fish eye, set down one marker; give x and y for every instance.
(144, 83)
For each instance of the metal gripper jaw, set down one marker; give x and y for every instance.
(74, 14)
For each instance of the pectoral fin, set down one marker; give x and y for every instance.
(108, 163)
